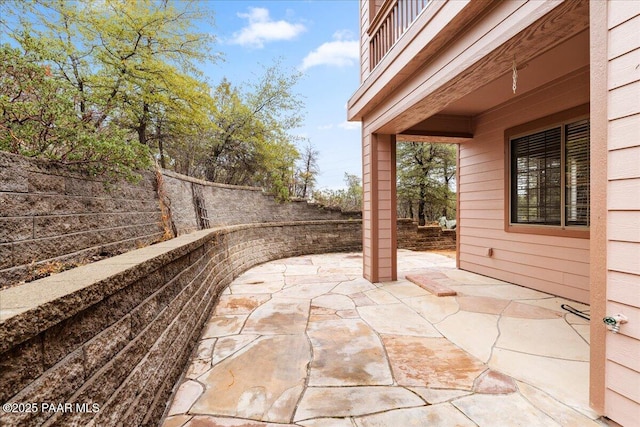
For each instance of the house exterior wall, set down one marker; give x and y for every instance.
(622, 365)
(551, 263)
(365, 18)
(450, 52)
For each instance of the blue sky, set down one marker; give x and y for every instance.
(318, 37)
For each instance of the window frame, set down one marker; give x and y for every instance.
(559, 119)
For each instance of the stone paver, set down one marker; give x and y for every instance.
(474, 332)
(431, 285)
(441, 415)
(278, 316)
(346, 352)
(308, 342)
(220, 326)
(353, 401)
(267, 390)
(431, 362)
(240, 304)
(503, 411)
(395, 319)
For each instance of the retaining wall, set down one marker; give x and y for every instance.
(51, 217)
(111, 338)
(115, 335)
(50, 214)
(222, 204)
(415, 238)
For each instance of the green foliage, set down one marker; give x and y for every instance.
(125, 69)
(103, 83)
(425, 175)
(249, 141)
(38, 119)
(347, 200)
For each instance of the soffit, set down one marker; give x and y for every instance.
(551, 65)
(548, 37)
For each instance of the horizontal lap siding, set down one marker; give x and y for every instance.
(622, 401)
(364, 39)
(555, 264)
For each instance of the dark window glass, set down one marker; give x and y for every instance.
(535, 178)
(537, 194)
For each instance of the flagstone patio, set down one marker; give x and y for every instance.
(308, 342)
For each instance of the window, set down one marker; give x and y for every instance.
(550, 176)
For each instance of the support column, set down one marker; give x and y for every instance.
(598, 34)
(379, 216)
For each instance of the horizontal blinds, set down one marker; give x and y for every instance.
(577, 173)
(536, 178)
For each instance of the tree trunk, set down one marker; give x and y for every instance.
(421, 203)
(142, 126)
(161, 150)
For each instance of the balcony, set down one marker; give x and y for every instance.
(389, 24)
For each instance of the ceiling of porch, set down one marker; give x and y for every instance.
(454, 122)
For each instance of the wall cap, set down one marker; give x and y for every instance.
(28, 309)
(172, 174)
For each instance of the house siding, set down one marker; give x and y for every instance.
(554, 264)
(622, 366)
(364, 38)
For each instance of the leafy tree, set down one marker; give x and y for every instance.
(425, 175)
(347, 200)
(122, 72)
(132, 64)
(279, 157)
(38, 119)
(250, 143)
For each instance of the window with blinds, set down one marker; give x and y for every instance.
(576, 181)
(550, 176)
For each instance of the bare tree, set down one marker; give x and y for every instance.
(307, 171)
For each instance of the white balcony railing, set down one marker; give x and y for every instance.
(389, 23)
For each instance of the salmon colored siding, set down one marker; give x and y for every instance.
(554, 264)
(622, 367)
(364, 39)
(379, 210)
(573, 58)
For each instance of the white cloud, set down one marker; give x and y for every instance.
(339, 53)
(262, 29)
(349, 125)
(343, 35)
(343, 125)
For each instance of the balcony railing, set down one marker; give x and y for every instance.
(389, 23)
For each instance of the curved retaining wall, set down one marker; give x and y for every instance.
(223, 204)
(50, 215)
(110, 339)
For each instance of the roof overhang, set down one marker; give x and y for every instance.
(440, 128)
(473, 72)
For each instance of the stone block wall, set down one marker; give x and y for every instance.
(229, 204)
(111, 339)
(415, 238)
(50, 214)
